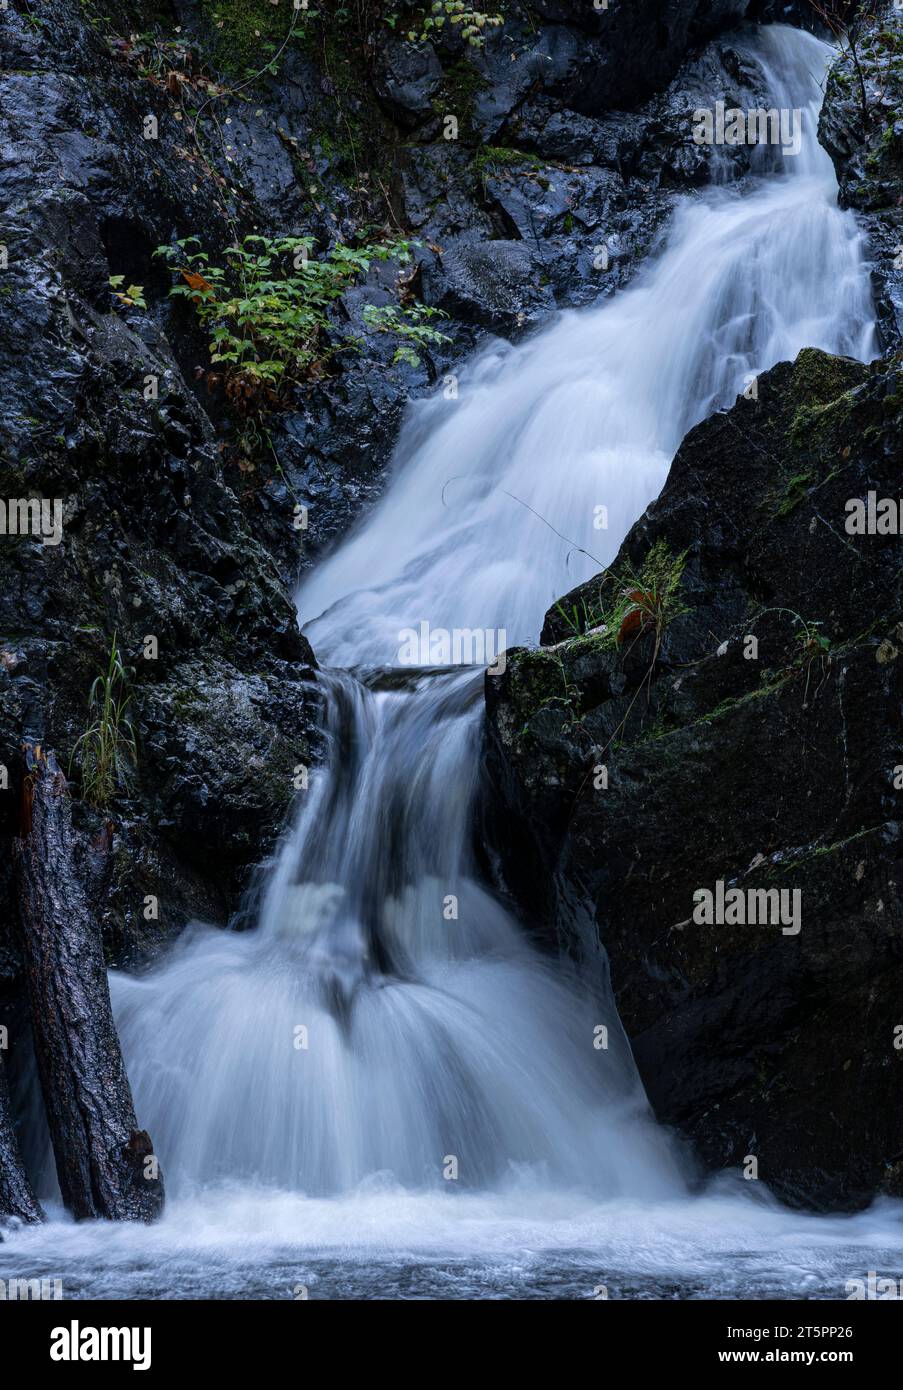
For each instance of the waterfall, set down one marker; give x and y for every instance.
(388, 1016)
(590, 412)
(388, 1020)
(385, 1089)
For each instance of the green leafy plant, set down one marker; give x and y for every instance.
(411, 325)
(471, 23)
(107, 751)
(132, 296)
(645, 602)
(170, 63)
(811, 642)
(266, 311)
(813, 654)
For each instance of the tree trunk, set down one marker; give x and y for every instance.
(16, 1196)
(105, 1164)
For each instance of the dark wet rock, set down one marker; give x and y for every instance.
(524, 164)
(591, 195)
(631, 50)
(407, 78)
(550, 130)
(223, 746)
(667, 152)
(653, 146)
(496, 284)
(537, 203)
(861, 127)
(772, 770)
(800, 13)
(513, 65)
(440, 188)
(97, 413)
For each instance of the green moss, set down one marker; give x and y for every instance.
(461, 85)
(819, 378)
(493, 157)
(821, 851)
(185, 699)
(664, 727)
(730, 706)
(814, 427)
(538, 676)
(246, 34)
(794, 492)
(886, 148)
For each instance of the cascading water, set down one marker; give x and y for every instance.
(388, 1025)
(590, 412)
(422, 1039)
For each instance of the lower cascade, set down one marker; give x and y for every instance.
(386, 1058)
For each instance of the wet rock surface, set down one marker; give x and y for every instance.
(99, 417)
(771, 763)
(861, 127)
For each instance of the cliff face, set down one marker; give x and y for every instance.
(748, 728)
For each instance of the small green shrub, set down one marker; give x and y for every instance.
(107, 751)
(132, 296)
(267, 310)
(410, 325)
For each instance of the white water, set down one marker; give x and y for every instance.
(429, 1039)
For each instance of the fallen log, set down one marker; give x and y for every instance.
(105, 1164)
(16, 1196)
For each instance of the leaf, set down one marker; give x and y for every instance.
(638, 615)
(631, 622)
(197, 282)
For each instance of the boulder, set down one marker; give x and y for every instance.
(751, 742)
(407, 78)
(495, 284)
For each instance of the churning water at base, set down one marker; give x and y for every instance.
(384, 1090)
(523, 1241)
